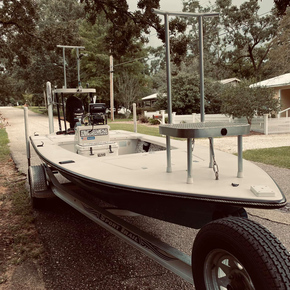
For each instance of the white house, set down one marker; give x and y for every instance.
(149, 101)
(281, 86)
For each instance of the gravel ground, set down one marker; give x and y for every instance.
(82, 255)
(255, 141)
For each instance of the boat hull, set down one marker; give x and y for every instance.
(172, 208)
(139, 183)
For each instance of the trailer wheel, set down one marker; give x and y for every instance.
(236, 253)
(38, 189)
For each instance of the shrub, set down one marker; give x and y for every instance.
(143, 119)
(154, 122)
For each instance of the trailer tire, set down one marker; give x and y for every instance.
(38, 189)
(237, 253)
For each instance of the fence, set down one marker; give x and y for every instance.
(261, 124)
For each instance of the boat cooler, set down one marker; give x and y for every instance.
(94, 141)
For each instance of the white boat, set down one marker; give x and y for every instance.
(129, 170)
(169, 179)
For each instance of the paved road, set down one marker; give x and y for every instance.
(81, 255)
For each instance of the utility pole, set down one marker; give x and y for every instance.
(111, 87)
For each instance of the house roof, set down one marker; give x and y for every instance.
(279, 81)
(151, 97)
(231, 80)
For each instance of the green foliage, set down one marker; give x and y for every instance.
(10, 92)
(186, 93)
(95, 63)
(4, 148)
(244, 101)
(154, 122)
(247, 37)
(235, 44)
(143, 119)
(279, 55)
(18, 23)
(28, 52)
(282, 5)
(28, 99)
(130, 77)
(125, 26)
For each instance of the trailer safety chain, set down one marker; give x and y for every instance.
(215, 165)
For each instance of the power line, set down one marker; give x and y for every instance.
(136, 59)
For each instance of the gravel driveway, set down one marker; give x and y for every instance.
(82, 255)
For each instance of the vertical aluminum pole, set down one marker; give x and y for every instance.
(210, 152)
(201, 69)
(112, 87)
(64, 68)
(169, 100)
(135, 117)
(189, 161)
(27, 135)
(78, 67)
(49, 107)
(240, 156)
(168, 69)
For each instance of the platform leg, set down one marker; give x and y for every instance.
(210, 152)
(189, 161)
(240, 156)
(168, 151)
(28, 154)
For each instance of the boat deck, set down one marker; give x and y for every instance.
(147, 171)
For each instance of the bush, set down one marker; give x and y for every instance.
(154, 122)
(143, 119)
(245, 101)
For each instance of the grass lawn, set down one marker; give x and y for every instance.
(144, 129)
(279, 156)
(4, 149)
(17, 220)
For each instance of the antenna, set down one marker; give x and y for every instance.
(78, 62)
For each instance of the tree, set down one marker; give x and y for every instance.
(244, 101)
(132, 81)
(282, 5)
(279, 55)
(58, 25)
(17, 25)
(95, 62)
(128, 89)
(10, 90)
(186, 92)
(130, 69)
(236, 43)
(248, 37)
(212, 47)
(17, 31)
(125, 26)
(31, 32)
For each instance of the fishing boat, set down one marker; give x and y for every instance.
(168, 178)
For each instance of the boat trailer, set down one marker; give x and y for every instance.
(231, 252)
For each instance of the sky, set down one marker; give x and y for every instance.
(176, 5)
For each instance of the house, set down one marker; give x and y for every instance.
(149, 101)
(281, 86)
(231, 81)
